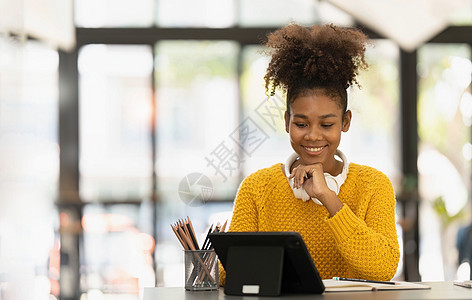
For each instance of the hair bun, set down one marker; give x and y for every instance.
(320, 55)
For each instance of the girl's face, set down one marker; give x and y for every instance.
(315, 124)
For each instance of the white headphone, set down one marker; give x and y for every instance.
(334, 182)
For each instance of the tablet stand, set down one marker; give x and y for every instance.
(255, 270)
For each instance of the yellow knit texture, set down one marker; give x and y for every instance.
(360, 241)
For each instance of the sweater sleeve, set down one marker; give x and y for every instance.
(245, 217)
(370, 245)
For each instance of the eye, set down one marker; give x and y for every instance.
(326, 125)
(300, 125)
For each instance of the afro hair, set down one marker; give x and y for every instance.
(320, 56)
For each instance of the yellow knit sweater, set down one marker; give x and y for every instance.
(360, 241)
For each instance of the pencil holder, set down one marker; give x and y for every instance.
(201, 270)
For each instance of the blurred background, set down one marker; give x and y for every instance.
(117, 118)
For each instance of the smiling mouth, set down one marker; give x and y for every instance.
(317, 149)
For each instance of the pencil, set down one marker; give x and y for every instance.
(207, 239)
(224, 226)
(364, 280)
(184, 245)
(192, 233)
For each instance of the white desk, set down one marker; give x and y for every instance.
(439, 290)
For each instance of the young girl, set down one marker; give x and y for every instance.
(344, 211)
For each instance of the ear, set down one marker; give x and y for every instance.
(347, 121)
(287, 121)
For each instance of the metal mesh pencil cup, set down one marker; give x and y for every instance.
(201, 270)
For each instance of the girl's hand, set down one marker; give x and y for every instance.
(312, 179)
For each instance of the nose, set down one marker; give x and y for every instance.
(313, 134)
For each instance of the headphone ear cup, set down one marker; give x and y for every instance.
(300, 194)
(332, 183)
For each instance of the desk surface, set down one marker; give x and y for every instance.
(439, 290)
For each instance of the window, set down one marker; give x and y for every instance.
(444, 113)
(197, 114)
(374, 133)
(254, 13)
(206, 14)
(114, 13)
(269, 142)
(115, 122)
(210, 13)
(29, 168)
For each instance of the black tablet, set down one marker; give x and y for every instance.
(266, 263)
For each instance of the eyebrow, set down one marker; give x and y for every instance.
(321, 117)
